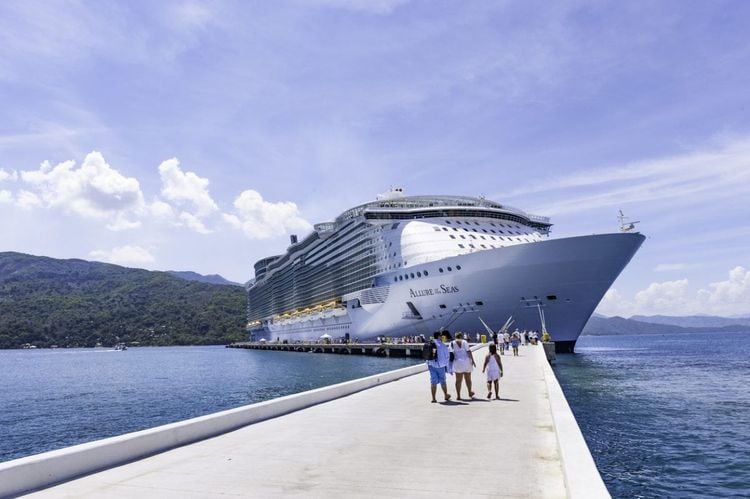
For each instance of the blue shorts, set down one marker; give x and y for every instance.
(437, 375)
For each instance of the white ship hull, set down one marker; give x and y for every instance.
(565, 278)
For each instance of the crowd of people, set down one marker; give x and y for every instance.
(446, 355)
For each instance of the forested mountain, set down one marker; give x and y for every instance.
(694, 320)
(194, 276)
(598, 325)
(76, 303)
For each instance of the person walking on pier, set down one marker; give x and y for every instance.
(437, 364)
(494, 368)
(463, 364)
(514, 341)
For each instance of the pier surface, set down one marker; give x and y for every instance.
(384, 441)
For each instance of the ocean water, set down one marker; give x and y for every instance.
(51, 399)
(664, 415)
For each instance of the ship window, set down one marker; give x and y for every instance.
(395, 279)
(493, 224)
(461, 246)
(452, 236)
(441, 270)
(455, 229)
(483, 246)
(458, 222)
(552, 297)
(445, 228)
(436, 229)
(476, 223)
(483, 237)
(484, 230)
(425, 273)
(463, 237)
(394, 226)
(449, 269)
(419, 274)
(406, 276)
(412, 275)
(472, 246)
(448, 222)
(466, 230)
(472, 236)
(400, 278)
(458, 267)
(479, 303)
(442, 305)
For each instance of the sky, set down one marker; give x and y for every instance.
(179, 135)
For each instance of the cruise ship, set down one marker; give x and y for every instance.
(411, 265)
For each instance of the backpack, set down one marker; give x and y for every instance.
(429, 351)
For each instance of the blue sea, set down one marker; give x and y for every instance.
(51, 399)
(664, 415)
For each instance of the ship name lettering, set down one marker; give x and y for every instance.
(420, 292)
(445, 288)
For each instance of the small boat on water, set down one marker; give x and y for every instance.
(121, 346)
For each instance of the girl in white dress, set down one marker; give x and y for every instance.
(494, 367)
(463, 364)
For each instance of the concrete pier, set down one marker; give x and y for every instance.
(387, 440)
(375, 349)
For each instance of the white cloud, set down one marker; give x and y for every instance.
(260, 219)
(95, 190)
(729, 297)
(27, 200)
(692, 177)
(185, 188)
(12, 176)
(162, 210)
(6, 196)
(123, 255)
(122, 223)
(192, 222)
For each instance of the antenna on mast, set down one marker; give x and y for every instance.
(625, 225)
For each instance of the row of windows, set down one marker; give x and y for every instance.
(491, 223)
(438, 229)
(424, 273)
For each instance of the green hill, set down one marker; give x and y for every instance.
(75, 303)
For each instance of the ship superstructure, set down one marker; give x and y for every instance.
(406, 265)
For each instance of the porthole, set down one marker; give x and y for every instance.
(479, 303)
(419, 274)
(442, 305)
(458, 267)
(449, 269)
(412, 275)
(406, 276)
(425, 273)
(441, 270)
(551, 297)
(395, 279)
